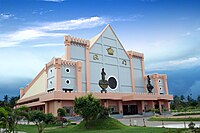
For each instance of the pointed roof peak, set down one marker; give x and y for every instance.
(95, 38)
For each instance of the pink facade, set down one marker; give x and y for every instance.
(63, 79)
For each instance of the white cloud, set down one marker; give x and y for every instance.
(187, 34)
(5, 16)
(54, 0)
(48, 44)
(41, 11)
(74, 24)
(174, 64)
(13, 39)
(131, 18)
(183, 62)
(49, 29)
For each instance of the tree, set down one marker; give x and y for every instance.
(88, 107)
(61, 113)
(40, 119)
(8, 118)
(12, 101)
(198, 99)
(3, 118)
(23, 113)
(50, 119)
(5, 100)
(176, 103)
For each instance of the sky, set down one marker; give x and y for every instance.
(166, 31)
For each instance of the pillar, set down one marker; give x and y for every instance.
(79, 76)
(67, 47)
(143, 74)
(105, 103)
(46, 108)
(155, 78)
(142, 106)
(165, 84)
(120, 107)
(160, 107)
(132, 72)
(21, 92)
(168, 105)
(87, 69)
(57, 65)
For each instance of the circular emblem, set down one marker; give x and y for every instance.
(112, 82)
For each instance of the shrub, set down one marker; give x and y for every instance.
(191, 125)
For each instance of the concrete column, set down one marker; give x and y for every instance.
(46, 108)
(21, 92)
(155, 78)
(142, 106)
(168, 106)
(67, 47)
(143, 74)
(160, 107)
(165, 84)
(87, 55)
(79, 76)
(132, 73)
(105, 103)
(120, 107)
(57, 65)
(57, 105)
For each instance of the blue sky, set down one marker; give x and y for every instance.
(166, 31)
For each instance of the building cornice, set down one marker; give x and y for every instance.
(77, 41)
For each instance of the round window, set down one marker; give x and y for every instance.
(112, 82)
(67, 70)
(50, 82)
(67, 81)
(50, 70)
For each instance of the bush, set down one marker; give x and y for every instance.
(191, 125)
(90, 108)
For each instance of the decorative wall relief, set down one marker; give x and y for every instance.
(124, 62)
(95, 57)
(103, 83)
(110, 51)
(149, 86)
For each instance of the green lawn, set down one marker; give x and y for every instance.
(107, 125)
(74, 129)
(173, 119)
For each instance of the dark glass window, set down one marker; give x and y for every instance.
(112, 82)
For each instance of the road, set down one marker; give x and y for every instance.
(168, 124)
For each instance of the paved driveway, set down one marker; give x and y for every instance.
(168, 124)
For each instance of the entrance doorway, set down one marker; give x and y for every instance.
(130, 109)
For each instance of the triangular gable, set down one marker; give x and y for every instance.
(37, 86)
(107, 29)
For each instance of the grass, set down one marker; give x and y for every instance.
(173, 119)
(190, 113)
(103, 125)
(108, 123)
(74, 129)
(27, 128)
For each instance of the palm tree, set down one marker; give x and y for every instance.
(5, 100)
(13, 100)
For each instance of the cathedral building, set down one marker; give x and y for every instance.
(100, 66)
